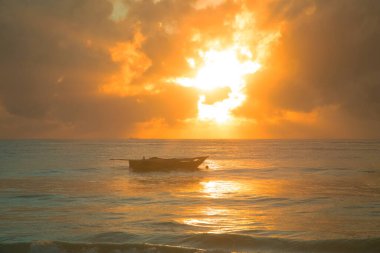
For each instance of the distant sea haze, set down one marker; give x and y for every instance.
(255, 196)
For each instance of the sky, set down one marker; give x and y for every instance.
(189, 69)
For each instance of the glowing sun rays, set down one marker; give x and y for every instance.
(220, 69)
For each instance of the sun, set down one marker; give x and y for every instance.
(220, 69)
(218, 64)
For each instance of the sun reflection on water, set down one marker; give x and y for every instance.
(219, 189)
(219, 220)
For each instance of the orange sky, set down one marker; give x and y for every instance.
(190, 69)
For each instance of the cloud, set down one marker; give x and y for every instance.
(326, 62)
(100, 68)
(56, 59)
(203, 4)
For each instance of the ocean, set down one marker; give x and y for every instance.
(255, 196)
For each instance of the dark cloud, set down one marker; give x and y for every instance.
(55, 56)
(43, 42)
(337, 52)
(328, 56)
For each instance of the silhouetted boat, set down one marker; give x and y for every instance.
(155, 163)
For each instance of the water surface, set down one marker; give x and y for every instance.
(256, 196)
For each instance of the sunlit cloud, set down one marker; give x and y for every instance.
(221, 66)
(221, 69)
(133, 63)
(189, 69)
(119, 10)
(203, 4)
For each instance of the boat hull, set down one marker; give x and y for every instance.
(166, 164)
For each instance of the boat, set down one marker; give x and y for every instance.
(155, 163)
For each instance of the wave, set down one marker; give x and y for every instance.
(65, 247)
(114, 237)
(245, 243)
(203, 243)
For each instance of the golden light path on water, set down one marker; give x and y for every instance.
(218, 219)
(218, 189)
(214, 215)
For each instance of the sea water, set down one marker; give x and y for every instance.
(255, 196)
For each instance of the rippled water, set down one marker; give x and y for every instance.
(257, 196)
